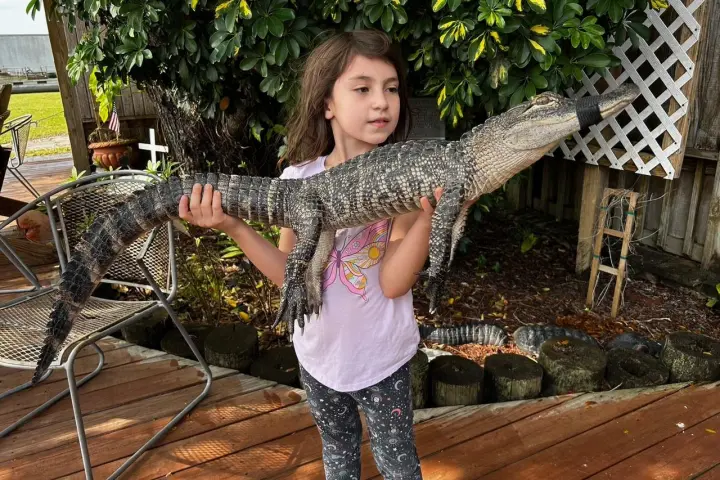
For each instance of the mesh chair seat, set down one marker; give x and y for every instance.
(22, 325)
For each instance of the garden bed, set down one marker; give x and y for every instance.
(512, 289)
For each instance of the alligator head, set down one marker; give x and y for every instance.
(508, 143)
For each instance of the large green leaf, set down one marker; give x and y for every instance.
(387, 19)
(284, 14)
(597, 60)
(275, 26)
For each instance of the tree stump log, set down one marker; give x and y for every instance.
(419, 382)
(509, 376)
(691, 357)
(634, 369)
(174, 343)
(233, 346)
(147, 332)
(279, 365)
(455, 381)
(571, 366)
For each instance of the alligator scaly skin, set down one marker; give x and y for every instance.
(529, 338)
(386, 182)
(480, 333)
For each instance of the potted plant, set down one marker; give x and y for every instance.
(110, 150)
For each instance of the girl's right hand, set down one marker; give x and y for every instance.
(204, 208)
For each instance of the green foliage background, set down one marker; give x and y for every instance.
(477, 58)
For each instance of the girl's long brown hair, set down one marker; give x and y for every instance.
(309, 133)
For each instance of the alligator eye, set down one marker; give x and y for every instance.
(542, 100)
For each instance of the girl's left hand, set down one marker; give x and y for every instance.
(428, 210)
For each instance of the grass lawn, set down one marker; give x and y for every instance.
(47, 110)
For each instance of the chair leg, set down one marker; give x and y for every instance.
(208, 375)
(56, 398)
(77, 412)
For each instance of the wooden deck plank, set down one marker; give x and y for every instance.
(32, 397)
(261, 461)
(244, 418)
(711, 473)
(601, 447)
(247, 425)
(269, 457)
(86, 364)
(683, 455)
(121, 394)
(106, 344)
(521, 439)
(431, 436)
(24, 443)
(106, 379)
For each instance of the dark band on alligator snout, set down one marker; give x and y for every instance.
(588, 111)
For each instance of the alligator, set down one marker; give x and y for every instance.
(383, 183)
(529, 338)
(473, 332)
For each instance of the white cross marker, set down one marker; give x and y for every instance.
(152, 147)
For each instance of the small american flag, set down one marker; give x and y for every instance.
(114, 121)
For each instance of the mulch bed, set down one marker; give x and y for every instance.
(509, 289)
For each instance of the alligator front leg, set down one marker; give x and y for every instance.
(447, 225)
(294, 298)
(314, 274)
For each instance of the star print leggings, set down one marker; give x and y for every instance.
(389, 417)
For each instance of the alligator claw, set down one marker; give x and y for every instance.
(314, 307)
(434, 291)
(293, 306)
(314, 297)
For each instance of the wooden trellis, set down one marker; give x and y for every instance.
(648, 136)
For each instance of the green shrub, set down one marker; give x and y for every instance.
(475, 57)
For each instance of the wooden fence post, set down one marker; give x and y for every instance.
(59, 46)
(595, 179)
(711, 250)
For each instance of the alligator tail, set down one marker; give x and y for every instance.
(119, 227)
(475, 332)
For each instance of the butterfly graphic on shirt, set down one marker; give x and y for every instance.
(362, 251)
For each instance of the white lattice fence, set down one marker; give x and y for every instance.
(616, 137)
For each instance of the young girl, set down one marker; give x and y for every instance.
(356, 352)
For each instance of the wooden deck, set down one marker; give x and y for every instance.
(248, 428)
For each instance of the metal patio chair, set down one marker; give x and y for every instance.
(19, 130)
(149, 261)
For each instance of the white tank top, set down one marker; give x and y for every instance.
(360, 336)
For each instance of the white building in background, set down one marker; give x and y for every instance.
(19, 53)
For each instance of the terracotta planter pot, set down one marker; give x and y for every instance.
(114, 153)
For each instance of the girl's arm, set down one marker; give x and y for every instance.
(205, 210)
(407, 250)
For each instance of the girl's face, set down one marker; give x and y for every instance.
(364, 106)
